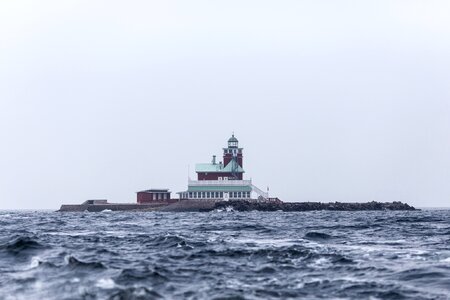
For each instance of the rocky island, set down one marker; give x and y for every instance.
(221, 185)
(237, 205)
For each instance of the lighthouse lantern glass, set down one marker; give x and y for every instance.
(232, 144)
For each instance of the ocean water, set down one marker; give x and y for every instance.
(225, 255)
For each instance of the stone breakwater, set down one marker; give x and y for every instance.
(310, 206)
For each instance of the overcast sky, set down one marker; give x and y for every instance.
(331, 100)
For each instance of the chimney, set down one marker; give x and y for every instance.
(214, 160)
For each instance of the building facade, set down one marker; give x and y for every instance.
(153, 195)
(224, 180)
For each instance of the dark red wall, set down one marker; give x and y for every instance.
(228, 157)
(143, 197)
(215, 176)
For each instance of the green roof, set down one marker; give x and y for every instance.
(208, 168)
(232, 139)
(230, 166)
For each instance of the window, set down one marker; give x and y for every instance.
(190, 195)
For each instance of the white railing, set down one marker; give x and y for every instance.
(219, 182)
(260, 192)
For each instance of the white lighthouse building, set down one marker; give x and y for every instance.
(223, 180)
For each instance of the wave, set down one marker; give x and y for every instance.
(132, 276)
(312, 235)
(418, 219)
(75, 263)
(22, 244)
(424, 274)
(165, 241)
(136, 293)
(262, 253)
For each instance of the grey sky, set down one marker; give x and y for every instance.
(331, 100)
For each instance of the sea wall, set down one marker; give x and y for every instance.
(112, 206)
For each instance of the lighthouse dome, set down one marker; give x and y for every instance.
(233, 139)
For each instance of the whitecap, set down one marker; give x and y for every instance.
(35, 261)
(263, 242)
(321, 262)
(105, 283)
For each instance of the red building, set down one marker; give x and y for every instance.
(230, 169)
(153, 195)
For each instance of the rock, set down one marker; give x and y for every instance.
(245, 205)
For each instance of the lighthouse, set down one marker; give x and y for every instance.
(229, 169)
(222, 180)
(233, 155)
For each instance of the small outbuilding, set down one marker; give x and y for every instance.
(153, 195)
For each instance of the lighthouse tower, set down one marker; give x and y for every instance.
(233, 156)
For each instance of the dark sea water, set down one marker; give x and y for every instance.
(310, 255)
